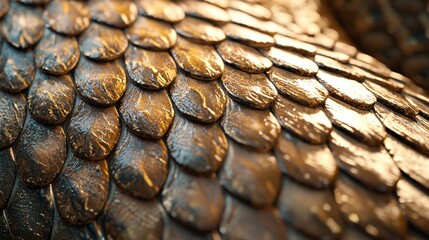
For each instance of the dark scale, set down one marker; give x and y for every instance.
(51, 98)
(304, 162)
(151, 34)
(254, 90)
(199, 31)
(81, 190)
(149, 69)
(243, 57)
(139, 166)
(17, 68)
(302, 89)
(310, 124)
(359, 159)
(201, 101)
(57, 54)
(214, 119)
(40, 152)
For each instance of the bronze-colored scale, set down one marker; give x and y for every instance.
(203, 120)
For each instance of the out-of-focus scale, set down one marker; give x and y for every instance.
(395, 32)
(202, 119)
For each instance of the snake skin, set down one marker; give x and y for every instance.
(212, 119)
(393, 31)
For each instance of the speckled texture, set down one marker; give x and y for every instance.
(51, 98)
(57, 54)
(40, 152)
(311, 124)
(12, 112)
(227, 119)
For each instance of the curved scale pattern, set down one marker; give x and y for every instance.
(210, 119)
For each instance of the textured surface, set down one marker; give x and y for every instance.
(228, 119)
(404, 49)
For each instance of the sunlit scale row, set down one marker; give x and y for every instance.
(258, 118)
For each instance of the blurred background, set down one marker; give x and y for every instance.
(393, 31)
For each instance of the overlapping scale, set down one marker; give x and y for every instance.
(150, 69)
(414, 164)
(409, 130)
(17, 68)
(258, 129)
(198, 100)
(198, 147)
(372, 64)
(318, 40)
(7, 175)
(309, 164)
(160, 9)
(254, 9)
(146, 113)
(418, 105)
(415, 202)
(241, 221)
(361, 124)
(385, 82)
(199, 31)
(199, 61)
(254, 90)
(291, 61)
(30, 221)
(40, 152)
(337, 67)
(81, 190)
(310, 124)
(220, 3)
(379, 215)
(243, 57)
(314, 212)
(152, 34)
(139, 166)
(416, 92)
(100, 83)
(51, 98)
(423, 121)
(251, 176)
(12, 117)
(301, 89)
(228, 151)
(349, 91)
(248, 36)
(294, 45)
(92, 131)
(242, 18)
(195, 201)
(57, 54)
(392, 99)
(22, 26)
(67, 17)
(114, 13)
(129, 218)
(205, 10)
(340, 57)
(345, 48)
(102, 43)
(372, 166)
